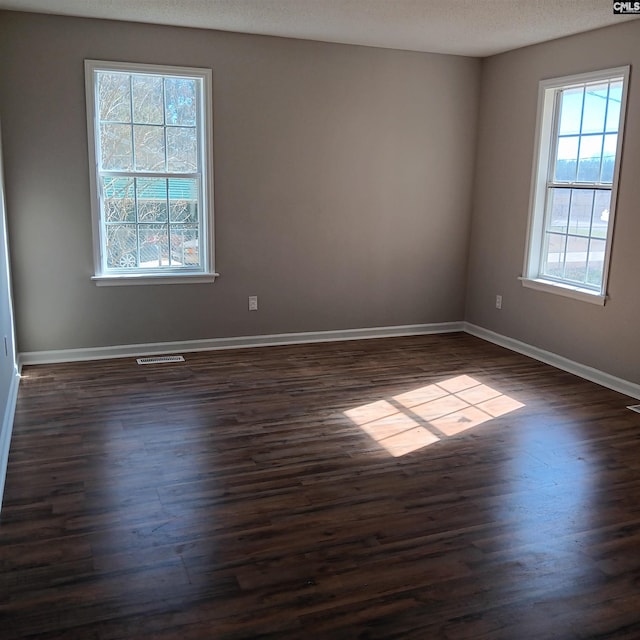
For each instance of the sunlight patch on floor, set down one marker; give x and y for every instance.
(415, 419)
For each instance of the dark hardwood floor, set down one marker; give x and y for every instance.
(426, 487)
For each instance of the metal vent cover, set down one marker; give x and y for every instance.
(159, 359)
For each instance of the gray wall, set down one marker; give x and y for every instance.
(607, 338)
(343, 181)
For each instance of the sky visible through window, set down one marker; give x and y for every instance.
(588, 132)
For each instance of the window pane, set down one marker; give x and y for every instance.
(575, 268)
(567, 160)
(595, 106)
(114, 97)
(590, 155)
(185, 245)
(115, 147)
(154, 245)
(183, 200)
(609, 158)
(571, 111)
(613, 111)
(147, 100)
(570, 222)
(149, 147)
(558, 216)
(121, 246)
(182, 150)
(148, 126)
(581, 209)
(601, 205)
(119, 201)
(596, 262)
(152, 199)
(180, 101)
(553, 255)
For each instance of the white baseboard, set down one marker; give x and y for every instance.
(581, 370)
(240, 342)
(6, 429)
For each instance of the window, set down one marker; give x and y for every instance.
(580, 127)
(150, 153)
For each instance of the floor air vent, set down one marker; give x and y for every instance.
(635, 407)
(160, 359)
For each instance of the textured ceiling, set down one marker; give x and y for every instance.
(464, 27)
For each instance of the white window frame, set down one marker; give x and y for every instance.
(546, 136)
(205, 272)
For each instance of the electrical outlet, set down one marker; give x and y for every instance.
(498, 302)
(253, 303)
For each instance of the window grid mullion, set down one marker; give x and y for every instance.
(166, 166)
(136, 220)
(203, 229)
(593, 206)
(564, 256)
(133, 138)
(604, 128)
(134, 165)
(566, 234)
(169, 226)
(147, 174)
(587, 260)
(605, 186)
(584, 99)
(164, 123)
(604, 125)
(576, 235)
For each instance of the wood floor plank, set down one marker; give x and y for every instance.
(419, 487)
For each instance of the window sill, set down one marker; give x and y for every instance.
(133, 279)
(566, 290)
